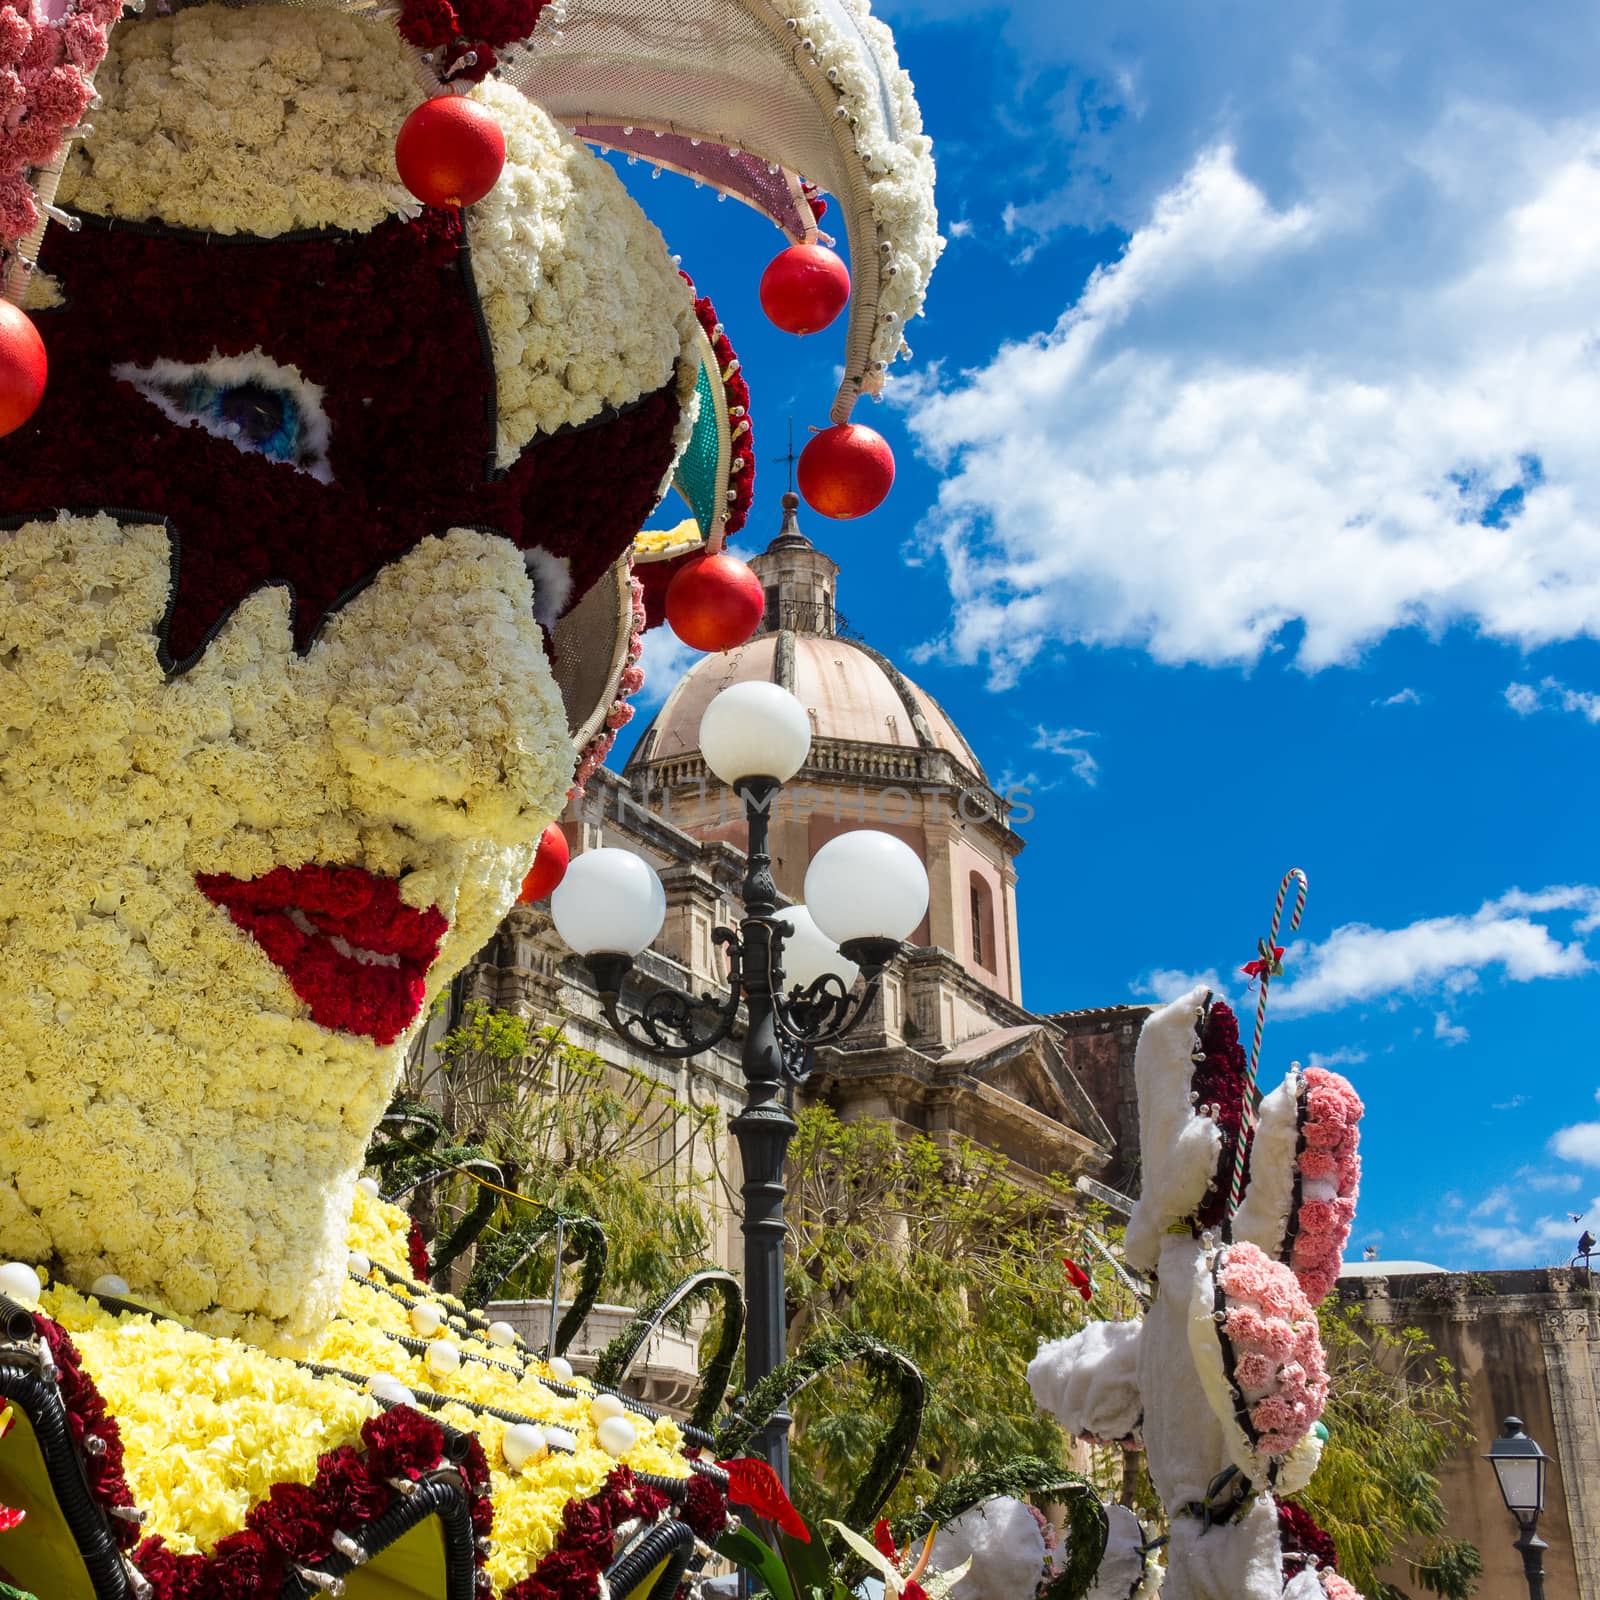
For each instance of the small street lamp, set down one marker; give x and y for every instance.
(865, 894)
(1519, 1466)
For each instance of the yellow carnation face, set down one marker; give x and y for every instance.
(228, 890)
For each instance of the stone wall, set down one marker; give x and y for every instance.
(1528, 1344)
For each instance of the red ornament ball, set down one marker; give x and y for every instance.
(450, 151)
(22, 367)
(549, 866)
(805, 288)
(714, 603)
(846, 470)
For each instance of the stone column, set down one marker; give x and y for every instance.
(1570, 1338)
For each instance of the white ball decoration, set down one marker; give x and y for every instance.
(561, 1439)
(20, 1281)
(866, 885)
(426, 1318)
(110, 1285)
(560, 1368)
(605, 1405)
(502, 1334)
(368, 1186)
(523, 1442)
(755, 730)
(383, 1387)
(359, 1263)
(444, 1358)
(617, 1436)
(808, 952)
(610, 901)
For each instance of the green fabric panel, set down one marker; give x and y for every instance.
(696, 477)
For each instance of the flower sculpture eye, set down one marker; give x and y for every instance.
(258, 405)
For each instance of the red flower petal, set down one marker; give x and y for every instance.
(752, 1483)
(884, 1540)
(10, 1518)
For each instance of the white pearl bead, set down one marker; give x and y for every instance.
(560, 1368)
(108, 1283)
(425, 1319)
(359, 1264)
(617, 1436)
(383, 1387)
(560, 1438)
(443, 1358)
(502, 1334)
(523, 1441)
(20, 1281)
(368, 1186)
(605, 1405)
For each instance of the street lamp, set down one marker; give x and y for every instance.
(865, 894)
(1519, 1466)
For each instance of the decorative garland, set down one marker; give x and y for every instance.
(46, 64)
(742, 468)
(1330, 1181)
(1220, 1082)
(468, 33)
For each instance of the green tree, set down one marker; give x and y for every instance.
(572, 1132)
(941, 1250)
(1396, 1411)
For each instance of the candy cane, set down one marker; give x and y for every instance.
(1267, 950)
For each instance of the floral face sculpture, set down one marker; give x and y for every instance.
(280, 730)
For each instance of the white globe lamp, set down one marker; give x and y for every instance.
(755, 730)
(866, 885)
(809, 954)
(610, 903)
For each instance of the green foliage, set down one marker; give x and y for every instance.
(941, 1251)
(1396, 1411)
(570, 1134)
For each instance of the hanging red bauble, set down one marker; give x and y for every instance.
(714, 603)
(549, 866)
(450, 151)
(22, 367)
(846, 470)
(805, 288)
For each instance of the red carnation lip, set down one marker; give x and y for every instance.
(351, 949)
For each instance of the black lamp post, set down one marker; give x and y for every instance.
(866, 887)
(1519, 1466)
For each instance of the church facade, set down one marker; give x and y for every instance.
(948, 1048)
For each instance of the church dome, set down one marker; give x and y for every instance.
(851, 692)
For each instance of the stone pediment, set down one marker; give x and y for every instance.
(1027, 1064)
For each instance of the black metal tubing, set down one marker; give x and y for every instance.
(672, 1542)
(439, 1494)
(41, 1403)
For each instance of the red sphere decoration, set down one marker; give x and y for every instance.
(846, 470)
(22, 367)
(549, 866)
(805, 288)
(450, 151)
(714, 603)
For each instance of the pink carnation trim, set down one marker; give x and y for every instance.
(1279, 1366)
(1332, 1136)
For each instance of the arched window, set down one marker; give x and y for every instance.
(982, 902)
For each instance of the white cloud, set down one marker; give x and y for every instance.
(1342, 1057)
(960, 229)
(1451, 1033)
(666, 658)
(1515, 1103)
(1267, 423)
(1552, 695)
(1170, 983)
(1494, 1232)
(1401, 697)
(1549, 1182)
(1360, 963)
(1579, 1143)
(1068, 744)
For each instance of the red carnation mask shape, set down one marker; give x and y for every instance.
(386, 325)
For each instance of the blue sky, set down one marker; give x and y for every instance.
(1248, 512)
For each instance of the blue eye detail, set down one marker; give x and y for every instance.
(256, 404)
